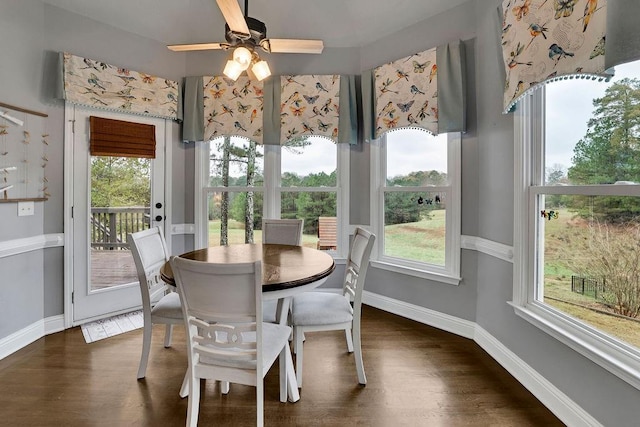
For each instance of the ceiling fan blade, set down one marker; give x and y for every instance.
(196, 46)
(233, 15)
(295, 46)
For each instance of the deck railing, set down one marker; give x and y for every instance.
(110, 226)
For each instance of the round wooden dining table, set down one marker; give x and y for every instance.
(286, 270)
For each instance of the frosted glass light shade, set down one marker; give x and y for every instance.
(242, 56)
(261, 70)
(232, 70)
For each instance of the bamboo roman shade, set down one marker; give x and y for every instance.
(121, 139)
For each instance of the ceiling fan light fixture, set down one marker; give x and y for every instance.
(233, 70)
(261, 70)
(242, 56)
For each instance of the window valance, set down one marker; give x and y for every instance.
(544, 41)
(322, 105)
(99, 85)
(233, 108)
(271, 113)
(425, 90)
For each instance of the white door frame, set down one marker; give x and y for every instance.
(69, 114)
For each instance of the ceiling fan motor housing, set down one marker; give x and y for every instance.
(257, 30)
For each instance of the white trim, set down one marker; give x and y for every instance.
(21, 338)
(69, 126)
(550, 396)
(199, 198)
(28, 244)
(455, 325)
(488, 247)
(168, 180)
(54, 324)
(25, 336)
(183, 229)
(450, 272)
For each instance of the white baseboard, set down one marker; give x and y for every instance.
(555, 400)
(463, 328)
(31, 333)
(54, 324)
(550, 396)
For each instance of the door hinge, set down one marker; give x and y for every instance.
(71, 212)
(73, 299)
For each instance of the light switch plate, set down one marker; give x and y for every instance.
(26, 208)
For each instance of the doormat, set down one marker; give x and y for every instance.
(116, 325)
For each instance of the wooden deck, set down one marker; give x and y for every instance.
(111, 268)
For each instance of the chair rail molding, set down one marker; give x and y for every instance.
(488, 247)
(28, 244)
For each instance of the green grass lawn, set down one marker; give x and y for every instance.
(422, 241)
(564, 237)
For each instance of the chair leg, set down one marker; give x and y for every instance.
(146, 347)
(347, 332)
(224, 387)
(260, 403)
(193, 407)
(362, 379)
(282, 359)
(298, 337)
(167, 335)
(184, 388)
(292, 384)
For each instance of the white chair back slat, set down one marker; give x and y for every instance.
(282, 231)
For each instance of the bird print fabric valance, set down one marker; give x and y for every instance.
(233, 108)
(97, 84)
(548, 40)
(310, 105)
(406, 93)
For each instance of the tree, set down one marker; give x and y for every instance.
(610, 151)
(612, 256)
(120, 181)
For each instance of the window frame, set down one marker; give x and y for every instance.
(613, 355)
(271, 191)
(450, 272)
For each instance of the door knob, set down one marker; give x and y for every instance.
(158, 217)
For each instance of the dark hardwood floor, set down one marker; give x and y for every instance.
(417, 376)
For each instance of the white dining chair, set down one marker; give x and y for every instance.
(323, 311)
(159, 303)
(281, 232)
(226, 337)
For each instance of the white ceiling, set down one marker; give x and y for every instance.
(339, 23)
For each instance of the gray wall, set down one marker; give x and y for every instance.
(31, 33)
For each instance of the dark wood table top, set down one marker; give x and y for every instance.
(283, 266)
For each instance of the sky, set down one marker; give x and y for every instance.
(568, 112)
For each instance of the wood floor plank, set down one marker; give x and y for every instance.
(417, 376)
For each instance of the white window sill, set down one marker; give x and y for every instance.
(614, 356)
(423, 274)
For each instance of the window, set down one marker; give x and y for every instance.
(577, 269)
(309, 189)
(416, 203)
(302, 179)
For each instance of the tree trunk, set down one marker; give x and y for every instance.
(224, 202)
(248, 210)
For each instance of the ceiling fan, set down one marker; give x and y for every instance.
(244, 34)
